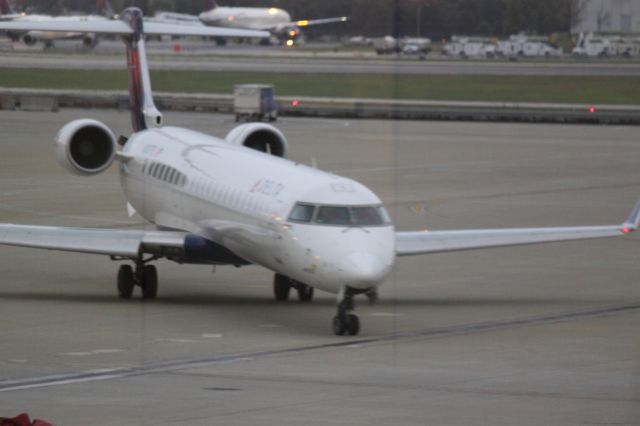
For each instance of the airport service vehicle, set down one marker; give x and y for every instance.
(238, 200)
(254, 102)
(277, 21)
(601, 46)
(406, 45)
(526, 46)
(469, 47)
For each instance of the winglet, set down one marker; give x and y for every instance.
(633, 221)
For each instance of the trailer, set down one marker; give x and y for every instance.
(254, 102)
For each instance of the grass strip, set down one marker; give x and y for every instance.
(569, 89)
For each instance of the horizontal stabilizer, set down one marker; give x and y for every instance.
(119, 27)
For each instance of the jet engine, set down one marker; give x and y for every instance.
(261, 137)
(29, 39)
(90, 40)
(85, 147)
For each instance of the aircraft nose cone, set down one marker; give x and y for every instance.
(363, 270)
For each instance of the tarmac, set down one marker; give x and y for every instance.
(529, 335)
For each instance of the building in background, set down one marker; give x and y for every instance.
(607, 16)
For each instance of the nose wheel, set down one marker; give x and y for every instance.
(346, 322)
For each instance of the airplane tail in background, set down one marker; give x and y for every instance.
(210, 4)
(5, 7)
(105, 9)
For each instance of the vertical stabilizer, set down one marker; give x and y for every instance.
(105, 9)
(210, 5)
(144, 114)
(5, 8)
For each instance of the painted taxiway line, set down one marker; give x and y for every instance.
(162, 367)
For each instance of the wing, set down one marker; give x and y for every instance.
(309, 22)
(181, 247)
(125, 243)
(119, 27)
(425, 242)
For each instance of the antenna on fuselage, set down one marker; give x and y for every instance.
(144, 114)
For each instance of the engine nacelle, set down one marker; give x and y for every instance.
(261, 137)
(29, 39)
(85, 147)
(90, 40)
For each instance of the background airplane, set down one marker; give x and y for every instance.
(277, 21)
(239, 201)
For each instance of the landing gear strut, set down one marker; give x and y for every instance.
(144, 276)
(345, 322)
(282, 286)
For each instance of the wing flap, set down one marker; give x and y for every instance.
(425, 242)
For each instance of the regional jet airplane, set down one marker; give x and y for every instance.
(240, 201)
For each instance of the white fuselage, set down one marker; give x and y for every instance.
(57, 35)
(246, 17)
(241, 198)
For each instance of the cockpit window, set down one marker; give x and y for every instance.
(340, 215)
(302, 213)
(333, 216)
(366, 216)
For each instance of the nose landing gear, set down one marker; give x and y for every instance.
(345, 322)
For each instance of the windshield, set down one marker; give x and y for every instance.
(340, 215)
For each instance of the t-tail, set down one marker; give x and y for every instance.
(144, 113)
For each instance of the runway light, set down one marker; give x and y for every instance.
(592, 109)
(289, 43)
(295, 103)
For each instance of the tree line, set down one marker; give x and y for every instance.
(430, 18)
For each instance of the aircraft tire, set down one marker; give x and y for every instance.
(150, 282)
(339, 326)
(126, 281)
(353, 325)
(305, 293)
(281, 287)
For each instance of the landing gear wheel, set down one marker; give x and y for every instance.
(353, 325)
(305, 293)
(349, 324)
(149, 282)
(281, 287)
(126, 281)
(339, 326)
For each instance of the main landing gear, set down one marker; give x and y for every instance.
(144, 276)
(282, 286)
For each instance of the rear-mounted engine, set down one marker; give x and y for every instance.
(261, 137)
(85, 147)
